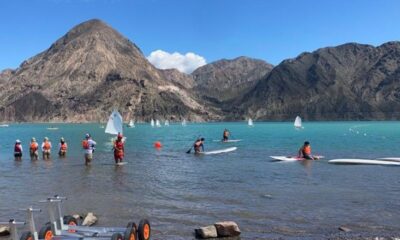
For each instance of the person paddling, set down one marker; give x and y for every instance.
(305, 151)
(62, 148)
(225, 135)
(33, 149)
(119, 149)
(18, 150)
(198, 145)
(46, 148)
(88, 145)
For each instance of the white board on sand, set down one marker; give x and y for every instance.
(393, 159)
(228, 141)
(292, 158)
(231, 149)
(364, 162)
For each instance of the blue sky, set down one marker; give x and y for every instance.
(272, 30)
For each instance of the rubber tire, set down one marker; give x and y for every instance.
(26, 236)
(131, 229)
(141, 231)
(117, 236)
(43, 231)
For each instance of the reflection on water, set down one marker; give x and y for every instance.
(179, 192)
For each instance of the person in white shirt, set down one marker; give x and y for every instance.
(89, 146)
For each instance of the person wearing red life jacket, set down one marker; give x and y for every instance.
(118, 148)
(305, 151)
(46, 148)
(33, 149)
(18, 150)
(62, 148)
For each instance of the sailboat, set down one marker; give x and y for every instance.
(297, 122)
(158, 123)
(250, 122)
(114, 124)
(166, 123)
(131, 124)
(184, 122)
(152, 123)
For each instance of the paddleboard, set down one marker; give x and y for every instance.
(228, 141)
(121, 163)
(393, 159)
(292, 158)
(363, 161)
(231, 149)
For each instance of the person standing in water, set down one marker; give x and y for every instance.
(88, 145)
(33, 149)
(225, 135)
(18, 150)
(46, 148)
(305, 151)
(119, 150)
(198, 145)
(62, 148)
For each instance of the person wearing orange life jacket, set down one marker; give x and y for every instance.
(33, 149)
(89, 146)
(118, 148)
(305, 151)
(18, 150)
(46, 148)
(62, 148)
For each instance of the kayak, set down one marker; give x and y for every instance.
(364, 162)
(231, 149)
(293, 158)
(228, 141)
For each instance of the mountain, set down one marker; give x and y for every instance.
(225, 80)
(179, 78)
(88, 72)
(350, 81)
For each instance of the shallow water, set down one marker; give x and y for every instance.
(178, 192)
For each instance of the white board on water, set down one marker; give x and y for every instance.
(292, 158)
(393, 159)
(114, 124)
(231, 149)
(121, 163)
(228, 141)
(363, 161)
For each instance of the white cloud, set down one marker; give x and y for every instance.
(185, 63)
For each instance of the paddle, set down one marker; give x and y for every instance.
(190, 149)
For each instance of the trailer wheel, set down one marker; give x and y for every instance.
(144, 229)
(117, 236)
(131, 231)
(26, 236)
(45, 232)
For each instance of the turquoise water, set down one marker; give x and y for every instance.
(179, 192)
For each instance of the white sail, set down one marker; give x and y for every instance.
(184, 122)
(250, 122)
(152, 122)
(166, 123)
(297, 122)
(158, 123)
(114, 124)
(131, 123)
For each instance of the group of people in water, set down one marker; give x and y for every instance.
(88, 145)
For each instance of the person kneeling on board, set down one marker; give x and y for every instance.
(33, 149)
(199, 145)
(118, 149)
(225, 135)
(18, 150)
(46, 148)
(62, 148)
(88, 145)
(305, 151)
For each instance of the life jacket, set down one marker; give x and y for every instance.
(307, 150)
(17, 148)
(85, 144)
(33, 147)
(119, 145)
(63, 147)
(46, 145)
